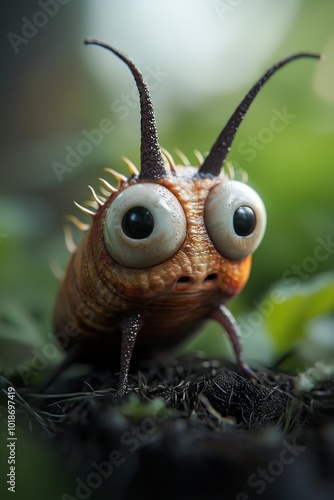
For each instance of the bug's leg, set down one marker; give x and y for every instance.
(130, 326)
(227, 320)
(72, 357)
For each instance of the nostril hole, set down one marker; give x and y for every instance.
(211, 277)
(183, 279)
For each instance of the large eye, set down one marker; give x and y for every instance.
(145, 225)
(235, 219)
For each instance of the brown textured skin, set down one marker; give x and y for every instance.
(97, 293)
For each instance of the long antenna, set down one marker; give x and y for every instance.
(214, 161)
(151, 160)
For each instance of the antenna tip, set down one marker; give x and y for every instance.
(92, 41)
(314, 55)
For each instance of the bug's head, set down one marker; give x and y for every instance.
(183, 229)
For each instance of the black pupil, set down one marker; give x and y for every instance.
(138, 223)
(244, 221)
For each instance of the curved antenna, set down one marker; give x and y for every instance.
(215, 159)
(152, 163)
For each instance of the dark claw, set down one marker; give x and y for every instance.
(246, 370)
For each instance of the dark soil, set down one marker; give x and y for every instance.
(190, 429)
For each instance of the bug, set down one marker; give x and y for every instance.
(165, 251)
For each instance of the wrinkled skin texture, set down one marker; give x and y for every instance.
(97, 293)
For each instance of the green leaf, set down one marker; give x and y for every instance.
(288, 320)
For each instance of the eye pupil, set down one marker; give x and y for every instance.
(244, 221)
(138, 223)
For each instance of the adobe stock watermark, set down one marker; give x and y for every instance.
(74, 155)
(263, 477)
(40, 357)
(31, 27)
(293, 277)
(93, 138)
(130, 440)
(59, 342)
(254, 143)
(224, 8)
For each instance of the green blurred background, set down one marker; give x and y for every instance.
(200, 58)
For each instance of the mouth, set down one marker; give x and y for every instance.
(187, 283)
